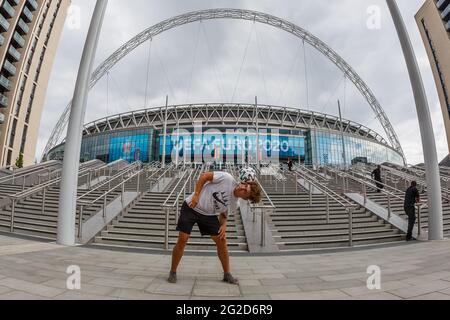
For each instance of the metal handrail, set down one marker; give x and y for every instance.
(329, 193)
(421, 205)
(312, 172)
(277, 176)
(166, 169)
(386, 186)
(37, 189)
(175, 203)
(325, 189)
(23, 175)
(445, 192)
(365, 184)
(167, 207)
(174, 188)
(84, 203)
(263, 208)
(27, 193)
(124, 171)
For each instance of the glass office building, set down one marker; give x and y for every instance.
(213, 133)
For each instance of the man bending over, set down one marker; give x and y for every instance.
(216, 194)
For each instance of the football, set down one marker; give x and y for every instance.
(247, 175)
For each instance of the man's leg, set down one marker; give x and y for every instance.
(178, 250)
(222, 252)
(411, 220)
(177, 254)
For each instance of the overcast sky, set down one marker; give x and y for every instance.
(233, 60)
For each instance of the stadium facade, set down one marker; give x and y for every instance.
(226, 133)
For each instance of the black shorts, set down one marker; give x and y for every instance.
(208, 225)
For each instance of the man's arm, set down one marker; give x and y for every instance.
(204, 178)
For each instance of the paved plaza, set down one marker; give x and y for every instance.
(37, 270)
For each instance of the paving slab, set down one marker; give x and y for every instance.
(183, 287)
(36, 270)
(205, 288)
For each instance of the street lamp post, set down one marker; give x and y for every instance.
(344, 158)
(435, 223)
(71, 163)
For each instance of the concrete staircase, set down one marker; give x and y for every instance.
(397, 208)
(30, 220)
(297, 225)
(143, 226)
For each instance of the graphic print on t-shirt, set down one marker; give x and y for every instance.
(220, 197)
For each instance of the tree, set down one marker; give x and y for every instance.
(19, 161)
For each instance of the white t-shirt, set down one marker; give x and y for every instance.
(217, 196)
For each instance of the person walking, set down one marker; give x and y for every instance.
(376, 175)
(411, 198)
(216, 194)
(289, 163)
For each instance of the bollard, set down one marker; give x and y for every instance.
(138, 181)
(263, 229)
(80, 222)
(419, 222)
(350, 226)
(328, 208)
(122, 194)
(389, 206)
(166, 235)
(365, 193)
(43, 201)
(13, 209)
(104, 206)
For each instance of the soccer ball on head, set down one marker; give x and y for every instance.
(247, 175)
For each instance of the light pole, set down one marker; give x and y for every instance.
(71, 163)
(344, 158)
(163, 160)
(435, 224)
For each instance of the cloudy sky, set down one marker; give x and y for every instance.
(233, 61)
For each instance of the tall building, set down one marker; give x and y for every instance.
(29, 35)
(433, 20)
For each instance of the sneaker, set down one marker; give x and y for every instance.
(228, 278)
(172, 277)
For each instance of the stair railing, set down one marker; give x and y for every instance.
(348, 206)
(396, 175)
(121, 176)
(30, 172)
(169, 206)
(390, 196)
(264, 209)
(15, 198)
(104, 196)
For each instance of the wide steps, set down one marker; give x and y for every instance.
(159, 244)
(333, 236)
(357, 241)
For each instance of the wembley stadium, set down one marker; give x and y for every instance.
(231, 133)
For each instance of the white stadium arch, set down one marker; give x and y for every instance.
(240, 14)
